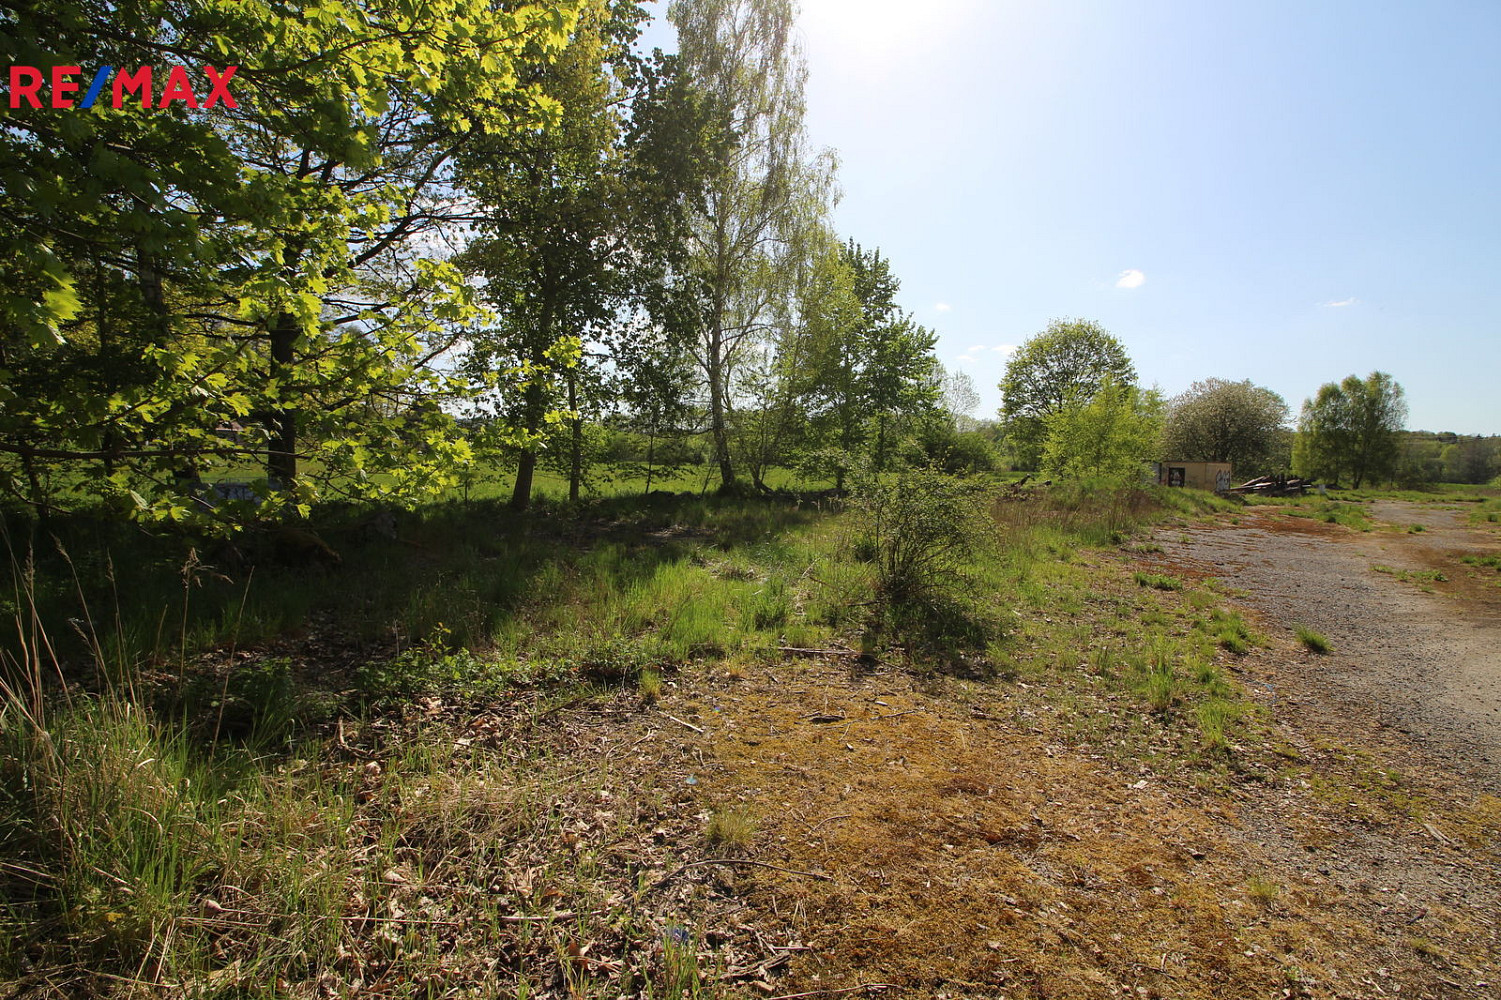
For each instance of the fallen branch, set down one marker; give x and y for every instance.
(680, 722)
(830, 993)
(741, 861)
(829, 819)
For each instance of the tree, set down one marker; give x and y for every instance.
(765, 191)
(960, 398)
(873, 370)
(1220, 421)
(572, 221)
(804, 362)
(1062, 366)
(1351, 429)
(1109, 434)
(265, 268)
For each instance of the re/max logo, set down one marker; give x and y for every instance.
(26, 85)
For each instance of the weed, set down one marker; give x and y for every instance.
(731, 829)
(1313, 641)
(649, 684)
(1158, 581)
(682, 979)
(1413, 575)
(1264, 891)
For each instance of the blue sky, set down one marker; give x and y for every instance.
(1285, 192)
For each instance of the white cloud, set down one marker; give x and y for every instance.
(944, 307)
(1131, 278)
(1004, 349)
(976, 349)
(965, 357)
(1341, 303)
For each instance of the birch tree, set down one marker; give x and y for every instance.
(741, 54)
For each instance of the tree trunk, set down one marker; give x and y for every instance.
(38, 494)
(651, 454)
(532, 408)
(281, 460)
(576, 443)
(521, 493)
(718, 428)
(526, 468)
(110, 441)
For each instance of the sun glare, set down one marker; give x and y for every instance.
(874, 27)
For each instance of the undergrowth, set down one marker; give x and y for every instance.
(346, 784)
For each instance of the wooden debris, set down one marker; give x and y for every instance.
(674, 718)
(1273, 486)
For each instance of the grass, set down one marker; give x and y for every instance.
(1262, 890)
(1311, 640)
(390, 768)
(1419, 577)
(1158, 581)
(649, 683)
(731, 829)
(1232, 633)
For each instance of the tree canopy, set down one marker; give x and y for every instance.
(1109, 434)
(191, 288)
(1063, 365)
(1350, 430)
(1221, 421)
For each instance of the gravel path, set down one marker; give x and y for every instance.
(1418, 654)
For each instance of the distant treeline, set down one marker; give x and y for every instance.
(1445, 457)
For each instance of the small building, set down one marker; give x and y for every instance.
(1213, 476)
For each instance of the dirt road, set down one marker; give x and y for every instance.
(1415, 631)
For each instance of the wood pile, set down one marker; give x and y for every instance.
(1273, 486)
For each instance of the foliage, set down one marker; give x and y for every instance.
(1060, 367)
(1350, 429)
(919, 527)
(580, 224)
(873, 373)
(785, 380)
(1108, 435)
(940, 444)
(255, 285)
(1426, 457)
(1220, 421)
(764, 192)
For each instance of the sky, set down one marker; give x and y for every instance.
(1286, 192)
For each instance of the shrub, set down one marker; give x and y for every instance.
(918, 528)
